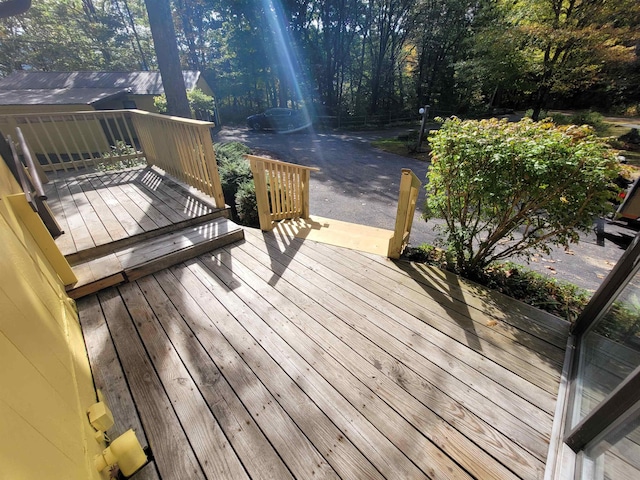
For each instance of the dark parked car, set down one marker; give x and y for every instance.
(279, 119)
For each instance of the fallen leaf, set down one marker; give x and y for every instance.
(599, 275)
(492, 323)
(569, 252)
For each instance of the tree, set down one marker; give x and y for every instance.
(60, 36)
(166, 47)
(508, 189)
(442, 26)
(568, 41)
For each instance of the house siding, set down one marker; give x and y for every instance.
(45, 381)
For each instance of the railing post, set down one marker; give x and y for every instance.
(305, 176)
(145, 137)
(258, 169)
(409, 185)
(212, 166)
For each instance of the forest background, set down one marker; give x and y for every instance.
(351, 58)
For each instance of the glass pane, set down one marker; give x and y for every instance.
(617, 455)
(610, 351)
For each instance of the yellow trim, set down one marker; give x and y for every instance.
(41, 235)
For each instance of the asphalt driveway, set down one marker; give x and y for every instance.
(358, 183)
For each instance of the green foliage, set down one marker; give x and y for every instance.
(64, 36)
(621, 322)
(247, 204)
(120, 149)
(508, 189)
(198, 101)
(234, 171)
(354, 57)
(593, 119)
(160, 102)
(560, 298)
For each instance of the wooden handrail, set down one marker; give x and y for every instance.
(409, 190)
(181, 147)
(31, 184)
(31, 166)
(282, 189)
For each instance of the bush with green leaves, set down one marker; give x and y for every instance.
(247, 204)
(510, 189)
(234, 171)
(114, 161)
(593, 119)
(198, 101)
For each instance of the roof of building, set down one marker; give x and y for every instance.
(65, 88)
(58, 96)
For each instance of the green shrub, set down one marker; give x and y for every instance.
(120, 149)
(247, 205)
(198, 101)
(507, 189)
(235, 172)
(557, 297)
(593, 119)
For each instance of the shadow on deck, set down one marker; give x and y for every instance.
(279, 357)
(123, 225)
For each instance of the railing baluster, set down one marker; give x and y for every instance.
(46, 132)
(282, 190)
(181, 147)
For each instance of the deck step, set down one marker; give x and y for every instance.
(126, 263)
(106, 248)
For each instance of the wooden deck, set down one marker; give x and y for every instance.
(100, 209)
(122, 225)
(280, 358)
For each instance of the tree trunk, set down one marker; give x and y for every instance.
(539, 102)
(166, 47)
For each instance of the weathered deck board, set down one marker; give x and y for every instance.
(110, 379)
(173, 456)
(411, 417)
(283, 358)
(96, 209)
(519, 359)
(453, 354)
(409, 370)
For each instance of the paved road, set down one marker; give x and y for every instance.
(359, 184)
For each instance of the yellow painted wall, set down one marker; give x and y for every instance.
(45, 379)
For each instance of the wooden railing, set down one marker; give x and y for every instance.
(181, 147)
(75, 140)
(71, 141)
(409, 189)
(282, 190)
